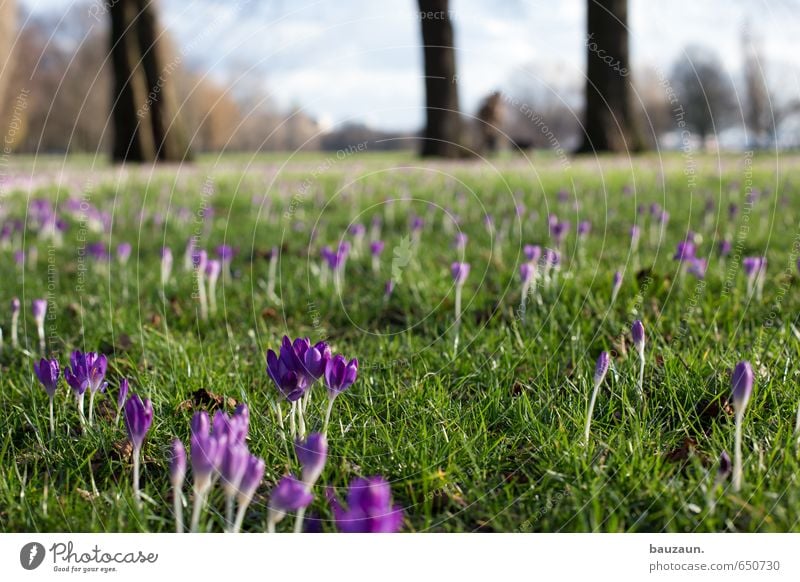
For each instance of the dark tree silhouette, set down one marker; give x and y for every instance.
(8, 24)
(705, 92)
(609, 120)
(146, 126)
(443, 120)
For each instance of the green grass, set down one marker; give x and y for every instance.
(486, 439)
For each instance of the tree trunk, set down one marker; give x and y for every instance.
(8, 32)
(609, 121)
(443, 120)
(146, 125)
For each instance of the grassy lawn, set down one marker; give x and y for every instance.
(485, 437)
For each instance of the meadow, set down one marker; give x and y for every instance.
(477, 426)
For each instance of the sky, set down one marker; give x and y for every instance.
(361, 60)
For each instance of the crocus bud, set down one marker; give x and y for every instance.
(204, 453)
(177, 464)
(460, 272)
(124, 252)
(122, 395)
(742, 382)
(232, 467)
(376, 247)
(526, 271)
(213, 269)
(251, 479)
(200, 423)
(312, 454)
(340, 374)
(15, 305)
(39, 309)
(288, 495)
(532, 252)
(637, 332)
(601, 367)
(48, 373)
(316, 360)
(138, 418)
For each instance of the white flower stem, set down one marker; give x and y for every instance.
(80, 412)
(40, 330)
(136, 463)
(201, 295)
(298, 522)
(229, 512)
(797, 422)
(273, 268)
(327, 416)
(91, 406)
(589, 413)
(15, 329)
(292, 422)
(457, 324)
(212, 294)
(52, 418)
(301, 420)
(641, 375)
(237, 525)
(177, 506)
(737, 453)
(199, 501)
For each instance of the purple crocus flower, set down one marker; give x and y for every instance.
(698, 267)
(287, 370)
(340, 374)
(315, 360)
(289, 495)
(389, 288)
(200, 423)
(532, 252)
(177, 464)
(205, 451)
(376, 247)
(584, 228)
(124, 252)
(369, 508)
(616, 285)
(601, 367)
(48, 372)
(251, 479)
(39, 309)
(558, 231)
(637, 332)
(138, 418)
(460, 272)
(526, 271)
(86, 371)
(685, 251)
(460, 241)
(225, 253)
(233, 463)
(312, 454)
(724, 248)
(742, 389)
(742, 382)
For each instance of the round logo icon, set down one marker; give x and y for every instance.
(31, 555)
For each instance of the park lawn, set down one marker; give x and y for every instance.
(485, 438)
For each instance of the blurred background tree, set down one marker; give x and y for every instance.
(443, 127)
(609, 121)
